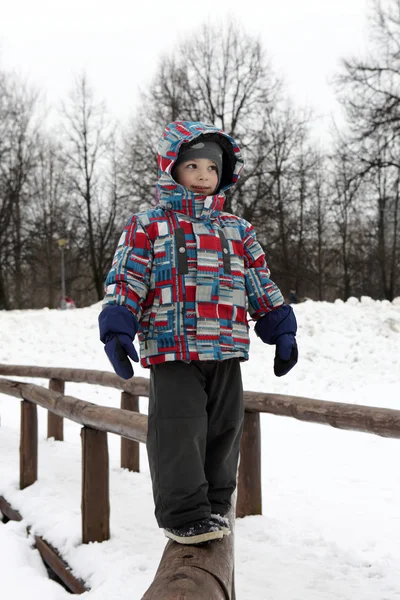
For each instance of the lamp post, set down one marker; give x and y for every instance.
(61, 244)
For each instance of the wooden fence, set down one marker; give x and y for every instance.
(132, 427)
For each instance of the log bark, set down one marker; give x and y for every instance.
(28, 449)
(137, 385)
(249, 481)
(113, 420)
(95, 486)
(55, 424)
(367, 419)
(129, 449)
(202, 572)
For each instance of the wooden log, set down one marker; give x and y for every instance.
(249, 481)
(129, 449)
(137, 385)
(7, 510)
(95, 486)
(202, 572)
(58, 566)
(367, 419)
(55, 424)
(28, 449)
(114, 420)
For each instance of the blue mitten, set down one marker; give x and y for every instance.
(286, 354)
(118, 328)
(279, 327)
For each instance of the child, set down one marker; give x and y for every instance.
(182, 278)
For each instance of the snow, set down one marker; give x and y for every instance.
(331, 522)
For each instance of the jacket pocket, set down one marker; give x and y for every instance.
(165, 319)
(165, 311)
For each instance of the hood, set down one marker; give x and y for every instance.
(175, 197)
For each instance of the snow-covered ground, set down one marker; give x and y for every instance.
(331, 515)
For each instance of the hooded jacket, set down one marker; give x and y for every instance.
(188, 271)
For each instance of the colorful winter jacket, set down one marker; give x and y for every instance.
(188, 271)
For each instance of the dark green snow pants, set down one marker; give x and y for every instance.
(195, 425)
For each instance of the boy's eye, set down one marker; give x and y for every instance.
(194, 166)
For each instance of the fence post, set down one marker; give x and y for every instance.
(28, 450)
(249, 484)
(129, 448)
(95, 488)
(55, 424)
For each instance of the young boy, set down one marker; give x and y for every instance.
(183, 276)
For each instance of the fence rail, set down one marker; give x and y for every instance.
(108, 419)
(368, 419)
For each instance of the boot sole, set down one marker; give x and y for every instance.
(195, 539)
(225, 530)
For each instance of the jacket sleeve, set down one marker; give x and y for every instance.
(262, 293)
(128, 281)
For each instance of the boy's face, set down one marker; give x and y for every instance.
(199, 175)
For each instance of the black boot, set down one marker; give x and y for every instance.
(221, 522)
(197, 532)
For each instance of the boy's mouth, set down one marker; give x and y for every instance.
(200, 189)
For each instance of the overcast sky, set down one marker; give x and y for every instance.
(118, 42)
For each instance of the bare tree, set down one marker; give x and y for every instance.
(49, 218)
(370, 86)
(89, 136)
(346, 186)
(5, 202)
(282, 206)
(321, 254)
(19, 129)
(383, 184)
(369, 91)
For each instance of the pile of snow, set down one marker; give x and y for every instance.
(331, 522)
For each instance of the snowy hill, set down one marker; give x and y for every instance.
(331, 518)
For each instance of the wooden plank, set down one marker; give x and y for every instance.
(114, 420)
(129, 449)
(55, 423)
(28, 450)
(249, 481)
(95, 486)
(8, 511)
(49, 555)
(203, 572)
(54, 561)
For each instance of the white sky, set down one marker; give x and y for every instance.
(118, 42)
